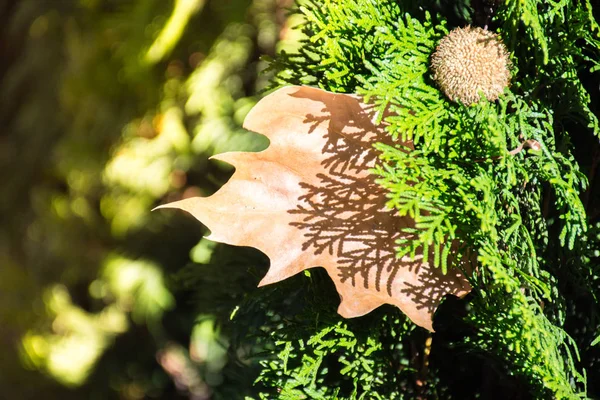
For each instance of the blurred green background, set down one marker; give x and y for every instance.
(107, 109)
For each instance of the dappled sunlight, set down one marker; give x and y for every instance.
(112, 109)
(108, 110)
(173, 29)
(219, 96)
(144, 165)
(142, 168)
(207, 346)
(125, 211)
(202, 251)
(69, 350)
(137, 286)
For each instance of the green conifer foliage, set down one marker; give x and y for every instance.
(496, 183)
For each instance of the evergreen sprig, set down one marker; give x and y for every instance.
(487, 185)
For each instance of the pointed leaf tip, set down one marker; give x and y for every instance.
(160, 207)
(185, 204)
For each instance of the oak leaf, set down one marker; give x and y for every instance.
(309, 200)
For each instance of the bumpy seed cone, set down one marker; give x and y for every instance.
(468, 61)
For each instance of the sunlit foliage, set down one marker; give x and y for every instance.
(495, 183)
(109, 108)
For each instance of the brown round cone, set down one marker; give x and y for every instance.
(469, 61)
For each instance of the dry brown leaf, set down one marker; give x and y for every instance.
(309, 200)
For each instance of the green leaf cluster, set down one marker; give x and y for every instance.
(494, 188)
(307, 351)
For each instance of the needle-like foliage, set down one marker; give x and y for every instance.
(495, 183)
